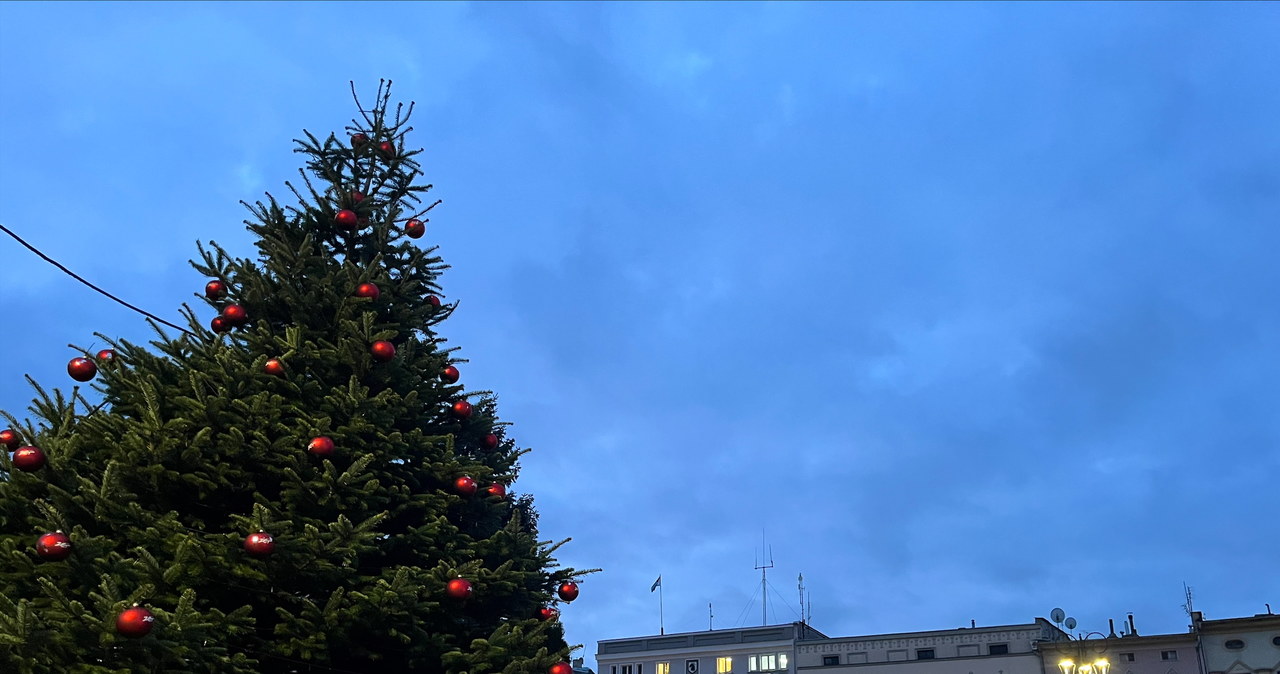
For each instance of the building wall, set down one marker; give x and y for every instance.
(643, 655)
(1006, 649)
(1155, 654)
(1240, 645)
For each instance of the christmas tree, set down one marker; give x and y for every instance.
(303, 486)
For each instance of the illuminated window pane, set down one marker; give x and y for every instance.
(662, 668)
(724, 665)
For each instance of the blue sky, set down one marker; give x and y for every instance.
(972, 309)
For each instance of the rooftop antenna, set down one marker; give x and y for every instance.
(1188, 607)
(800, 582)
(710, 616)
(764, 583)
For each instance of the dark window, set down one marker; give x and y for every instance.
(1168, 655)
(998, 649)
(1275, 641)
(924, 654)
(1234, 644)
(1127, 657)
(828, 660)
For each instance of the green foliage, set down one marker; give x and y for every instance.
(194, 446)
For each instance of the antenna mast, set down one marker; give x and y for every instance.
(800, 583)
(1187, 606)
(764, 583)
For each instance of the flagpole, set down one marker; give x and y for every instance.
(661, 626)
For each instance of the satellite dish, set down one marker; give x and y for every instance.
(1071, 623)
(1056, 615)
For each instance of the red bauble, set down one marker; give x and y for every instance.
(560, 668)
(382, 351)
(215, 290)
(546, 613)
(260, 544)
(356, 197)
(369, 290)
(81, 369)
(462, 409)
(321, 446)
(9, 438)
(274, 367)
(219, 324)
(499, 490)
(359, 140)
(465, 486)
(450, 374)
(53, 547)
(29, 459)
(106, 355)
(568, 590)
(135, 622)
(433, 300)
(491, 441)
(346, 219)
(458, 588)
(234, 314)
(414, 229)
(387, 148)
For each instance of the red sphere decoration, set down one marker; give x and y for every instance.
(499, 490)
(458, 588)
(465, 486)
(359, 140)
(234, 314)
(105, 355)
(135, 622)
(29, 459)
(462, 409)
(346, 219)
(382, 351)
(321, 446)
(356, 197)
(260, 544)
(547, 613)
(387, 148)
(81, 369)
(219, 324)
(9, 438)
(491, 441)
(53, 547)
(215, 290)
(414, 229)
(369, 290)
(274, 367)
(568, 590)
(433, 300)
(560, 668)
(450, 374)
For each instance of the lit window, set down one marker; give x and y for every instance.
(662, 668)
(724, 665)
(753, 664)
(782, 661)
(1168, 655)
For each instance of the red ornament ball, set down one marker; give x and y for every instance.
(465, 486)
(387, 148)
(259, 544)
(274, 367)
(359, 140)
(234, 314)
(560, 668)
(414, 229)
(356, 197)
(29, 459)
(135, 622)
(499, 490)
(369, 290)
(546, 613)
(215, 290)
(106, 355)
(450, 374)
(433, 300)
(491, 441)
(321, 446)
(82, 369)
(458, 588)
(9, 438)
(382, 351)
(346, 219)
(568, 590)
(219, 324)
(53, 547)
(462, 409)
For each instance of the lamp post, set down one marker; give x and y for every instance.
(1084, 663)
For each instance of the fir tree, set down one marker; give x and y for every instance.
(321, 408)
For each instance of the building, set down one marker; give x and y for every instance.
(771, 648)
(1238, 645)
(1126, 654)
(1002, 649)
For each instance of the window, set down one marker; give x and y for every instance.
(1275, 641)
(724, 665)
(1168, 655)
(767, 662)
(662, 668)
(1234, 644)
(997, 649)
(924, 653)
(828, 660)
(626, 669)
(1127, 657)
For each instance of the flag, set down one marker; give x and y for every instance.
(656, 584)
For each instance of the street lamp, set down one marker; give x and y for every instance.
(1098, 665)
